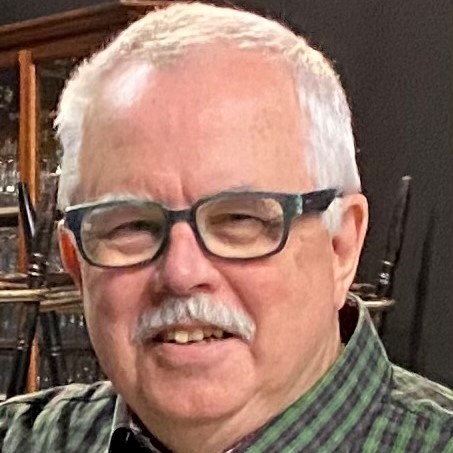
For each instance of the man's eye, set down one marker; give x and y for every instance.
(235, 218)
(240, 218)
(244, 220)
(137, 226)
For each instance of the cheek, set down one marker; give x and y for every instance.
(116, 294)
(279, 289)
(289, 296)
(112, 304)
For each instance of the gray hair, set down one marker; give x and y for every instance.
(162, 36)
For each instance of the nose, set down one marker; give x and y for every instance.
(184, 269)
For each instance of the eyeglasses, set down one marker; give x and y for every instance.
(230, 225)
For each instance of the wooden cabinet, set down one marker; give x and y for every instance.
(36, 57)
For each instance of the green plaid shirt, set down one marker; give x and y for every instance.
(364, 404)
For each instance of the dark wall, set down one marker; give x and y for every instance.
(394, 58)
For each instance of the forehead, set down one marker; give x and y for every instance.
(216, 119)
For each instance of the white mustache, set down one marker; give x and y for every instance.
(199, 308)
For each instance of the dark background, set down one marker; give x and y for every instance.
(394, 58)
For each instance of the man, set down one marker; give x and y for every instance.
(214, 221)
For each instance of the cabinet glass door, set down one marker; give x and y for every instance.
(9, 134)
(81, 364)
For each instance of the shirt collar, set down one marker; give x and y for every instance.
(333, 413)
(125, 431)
(343, 404)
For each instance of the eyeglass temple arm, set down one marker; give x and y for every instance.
(318, 201)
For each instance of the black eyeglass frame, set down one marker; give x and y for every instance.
(293, 205)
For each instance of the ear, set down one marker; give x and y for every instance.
(68, 252)
(347, 243)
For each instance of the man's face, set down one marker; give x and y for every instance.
(217, 120)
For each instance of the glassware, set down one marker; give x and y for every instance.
(52, 76)
(8, 250)
(9, 133)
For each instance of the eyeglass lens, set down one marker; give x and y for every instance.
(123, 234)
(238, 226)
(241, 226)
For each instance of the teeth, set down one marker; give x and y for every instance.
(218, 333)
(198, 334)
(169, 335)
(207, 331)
(181, 336)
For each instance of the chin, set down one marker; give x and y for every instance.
(195, 398)
(191, 382)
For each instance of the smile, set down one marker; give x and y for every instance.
(190, 335)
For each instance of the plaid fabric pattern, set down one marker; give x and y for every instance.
(364, 404)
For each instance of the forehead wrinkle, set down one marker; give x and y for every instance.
(118, 177)
(122, 196)
(145, 195)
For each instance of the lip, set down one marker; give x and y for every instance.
(183, 326)
(196, 354)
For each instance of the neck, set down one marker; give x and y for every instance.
(211, 437)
